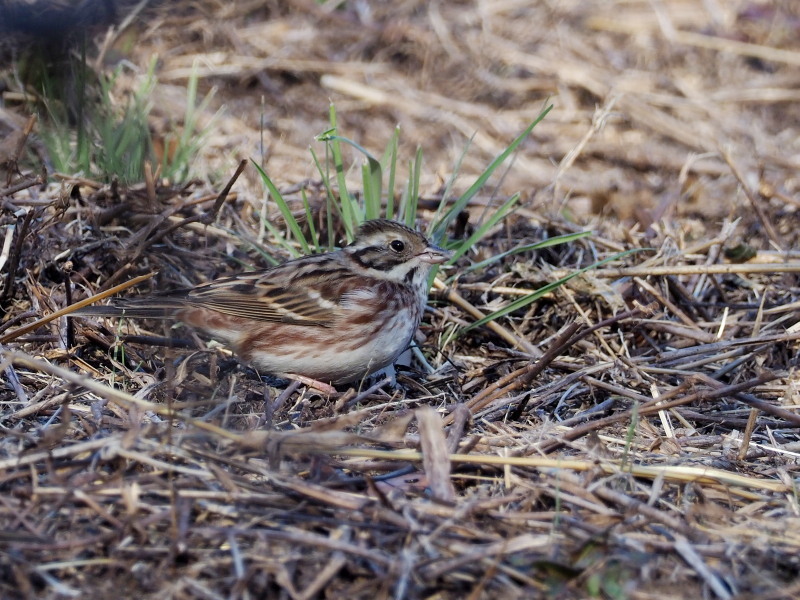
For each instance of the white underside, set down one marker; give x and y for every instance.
(348, 365)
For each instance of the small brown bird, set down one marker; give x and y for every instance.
(333, 317)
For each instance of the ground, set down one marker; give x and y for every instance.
(632, 434)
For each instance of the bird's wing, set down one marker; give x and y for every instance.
(267, 296)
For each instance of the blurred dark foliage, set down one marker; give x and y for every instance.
(54, 21)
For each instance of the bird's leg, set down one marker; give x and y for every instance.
(386, 375)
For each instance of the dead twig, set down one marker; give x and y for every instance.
(12, 335)
(653, 406)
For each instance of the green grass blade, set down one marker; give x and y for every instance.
(449, 186)
(279, 237)
(329, 137)
(459, 205)
(409, 212)
(371, 173)
(389, 161)
(371, 177)
(191, 136)
(345, 203)
(314, 239)
(331, 204)
(530, 298)
(484, 228)
(283, 207)
(561, 239)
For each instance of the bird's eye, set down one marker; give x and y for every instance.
(397, 245)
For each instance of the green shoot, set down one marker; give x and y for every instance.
(546, 289)
(441, 226)
(287, 215)
(554, 241)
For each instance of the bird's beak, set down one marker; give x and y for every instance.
(434, 255)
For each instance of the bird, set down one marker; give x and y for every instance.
(335, 317)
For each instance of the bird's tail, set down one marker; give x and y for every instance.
(131, 308)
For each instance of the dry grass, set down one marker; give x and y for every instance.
(633, 435)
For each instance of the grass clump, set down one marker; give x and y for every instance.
(107, 133)
(379, 179)
(377, 201)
